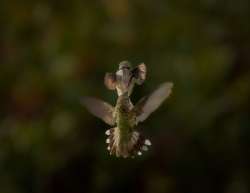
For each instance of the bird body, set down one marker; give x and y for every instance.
(122, 139)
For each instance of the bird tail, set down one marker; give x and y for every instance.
(135, 146)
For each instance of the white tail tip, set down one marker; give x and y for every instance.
(107, 132)
(147, 142)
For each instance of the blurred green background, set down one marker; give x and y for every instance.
(54, 52)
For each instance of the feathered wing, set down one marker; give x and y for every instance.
(140, 73)
(150, 103)
(100, 109)
(110, 81)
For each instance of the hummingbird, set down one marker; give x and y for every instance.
(124, 138)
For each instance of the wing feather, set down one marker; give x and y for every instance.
(100, 109)
(140, 73)
(110, 81)
(150, 103)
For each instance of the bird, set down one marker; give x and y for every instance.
(124, 137)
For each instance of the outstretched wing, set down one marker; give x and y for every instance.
(139, 73)
(150, 103)
(100, 109)
(110, 81)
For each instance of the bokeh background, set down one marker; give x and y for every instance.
(54, 52)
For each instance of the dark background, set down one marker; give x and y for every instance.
(54, 52)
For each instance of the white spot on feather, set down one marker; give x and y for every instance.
(107, 132)
(147, 142)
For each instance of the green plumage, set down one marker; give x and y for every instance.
(125, 118)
